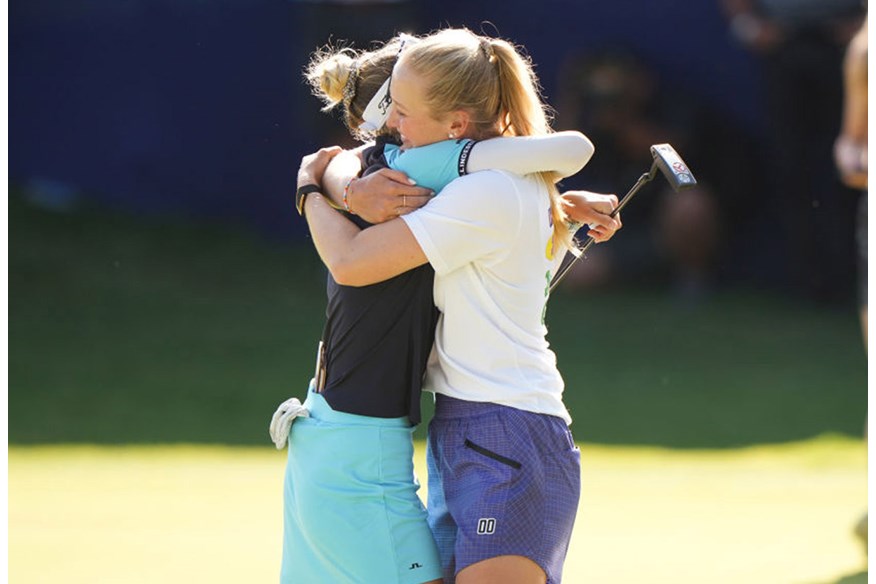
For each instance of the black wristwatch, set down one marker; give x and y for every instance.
(301, 195)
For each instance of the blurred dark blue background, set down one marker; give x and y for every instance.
(197, 108)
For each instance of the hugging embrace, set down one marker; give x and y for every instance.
(441, 235)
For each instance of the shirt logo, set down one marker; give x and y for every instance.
(486, 526)
(549, 250)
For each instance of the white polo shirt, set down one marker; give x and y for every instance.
(487, 236)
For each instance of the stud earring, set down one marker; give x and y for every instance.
(451, 135)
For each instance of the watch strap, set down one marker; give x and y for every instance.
(301, 195)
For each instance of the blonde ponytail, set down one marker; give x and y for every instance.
(490, 80)
(523, 113)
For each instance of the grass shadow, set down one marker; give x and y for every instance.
(859, 578)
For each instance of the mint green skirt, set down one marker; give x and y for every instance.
(351, 510)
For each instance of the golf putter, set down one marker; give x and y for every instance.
(673, 168)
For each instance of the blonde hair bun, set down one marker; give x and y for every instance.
(328, 74)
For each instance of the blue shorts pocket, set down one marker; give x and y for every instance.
(494, 455)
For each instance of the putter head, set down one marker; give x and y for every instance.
(672, 167)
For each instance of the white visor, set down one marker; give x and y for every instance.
(377, 112)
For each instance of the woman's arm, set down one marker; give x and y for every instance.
(474, 217)
(563, 152)
(850, 148)
(354, 257)
(346, 165)
(389, 193)
(378, 197)
(360, 257)
(595, 210)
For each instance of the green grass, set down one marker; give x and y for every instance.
(760, 515)
(149, 330)
(131, 331)
(135, 330)
(737, 370)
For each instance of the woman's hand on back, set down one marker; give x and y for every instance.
(384, 195)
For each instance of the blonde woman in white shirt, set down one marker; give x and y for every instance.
(504, 469)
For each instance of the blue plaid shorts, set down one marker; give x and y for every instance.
(502, 481)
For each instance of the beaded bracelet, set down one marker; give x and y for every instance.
(346, 199)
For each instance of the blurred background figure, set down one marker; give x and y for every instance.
(800, 44)
(676, 238)
(850, 149)
(850, 154)
(689, 230)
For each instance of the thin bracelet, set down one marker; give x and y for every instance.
(346, 201)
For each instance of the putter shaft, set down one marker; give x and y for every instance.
(643, 180)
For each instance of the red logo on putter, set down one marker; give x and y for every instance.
(679, 167)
